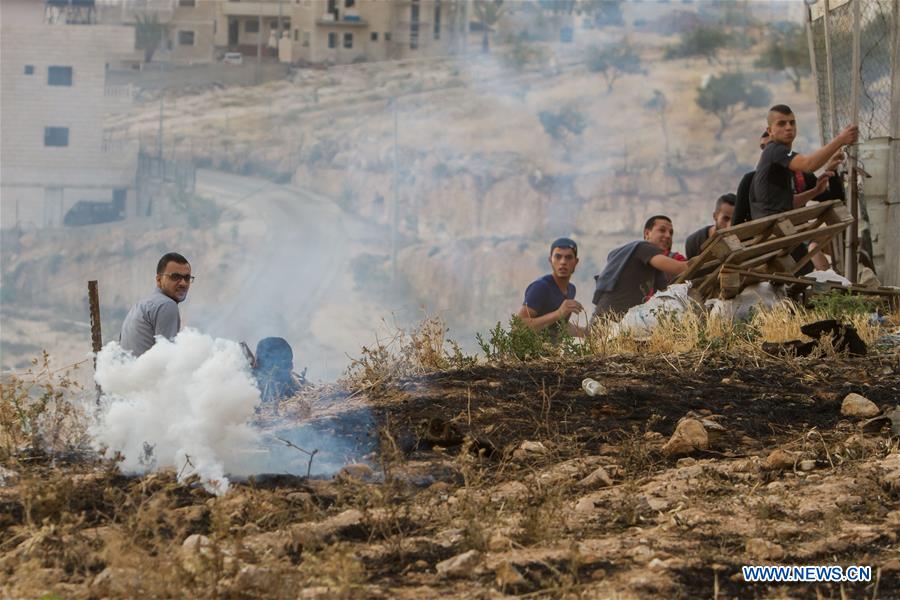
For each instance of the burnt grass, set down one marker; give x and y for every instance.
(497, 407)
(440, 447)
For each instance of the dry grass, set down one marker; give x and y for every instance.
(42, 409)
(695, 331)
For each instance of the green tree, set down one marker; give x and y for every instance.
(603, 12)
(660, 104)
(523, 53)
(700, 41)
(149, 34)
(787, 51)
(557, 6)
(613, 61)
(724, 95)
(559, 125)
(488, 13)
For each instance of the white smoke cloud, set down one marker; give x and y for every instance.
(190, 400)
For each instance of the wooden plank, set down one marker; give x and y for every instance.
(750, 229)
(729, 283)
(707, 258)
(791, 279)
(787, 243)
(784, 228)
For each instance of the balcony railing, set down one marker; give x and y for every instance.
(125, 91)
(162, 9)
(256, 9)
(70, 12)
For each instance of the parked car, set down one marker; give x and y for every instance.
(233, 58)
(91, 212)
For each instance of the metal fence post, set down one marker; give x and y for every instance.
(852, 257)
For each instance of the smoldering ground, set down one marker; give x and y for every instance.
(189, 405)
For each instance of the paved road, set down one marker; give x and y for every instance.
(276, 286)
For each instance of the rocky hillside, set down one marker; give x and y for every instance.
(477, 172)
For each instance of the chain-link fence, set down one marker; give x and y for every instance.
(855, 83)
(832, 42)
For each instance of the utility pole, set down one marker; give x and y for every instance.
(395, 205)
(259, 34)
(852, 257)
(891, 275)
(159, 131)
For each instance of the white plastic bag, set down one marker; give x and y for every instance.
(758, 296)
(640, 320)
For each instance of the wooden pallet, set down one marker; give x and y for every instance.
(763, 246)
(809, 287)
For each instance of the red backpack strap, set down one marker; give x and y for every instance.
(799, 181)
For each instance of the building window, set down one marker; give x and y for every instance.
(332, 40)
(374, 36)
(185, 38)
(187, 2)
(56, 136)
(29, 69)
(437, 20)
(273, 24)
(387, 36)
(251, 26)
(414, 25)
(306, 36)
(59, 76)
(296, 35)
(348, 40)
(349, 3)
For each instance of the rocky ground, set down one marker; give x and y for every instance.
(493, 481)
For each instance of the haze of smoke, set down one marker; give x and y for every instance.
(184, 404)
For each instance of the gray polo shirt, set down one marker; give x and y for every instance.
(155, 315)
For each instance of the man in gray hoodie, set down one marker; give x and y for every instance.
(637, 270)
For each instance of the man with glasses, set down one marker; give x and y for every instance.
(158, 314)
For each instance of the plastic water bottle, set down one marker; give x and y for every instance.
(592, 387)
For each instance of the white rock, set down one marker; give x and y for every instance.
(780, 460)
(596, 479)
(855, 405)
(764, 549)
(461, 564)
(689, 435)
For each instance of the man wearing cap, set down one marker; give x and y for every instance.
(550, 300)
(637, 270)
(721, 219)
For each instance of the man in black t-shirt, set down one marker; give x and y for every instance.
(721, 219)
(776, 186)
(636, 270)
(775, 183)
(742, 198)
(835, 189)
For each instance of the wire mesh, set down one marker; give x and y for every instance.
(877, 24)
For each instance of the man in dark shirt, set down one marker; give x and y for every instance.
(550, 300)
(721, 219)
(835, 189)
(636, 270)
(742, 201)
(775, 184)
(778, 184)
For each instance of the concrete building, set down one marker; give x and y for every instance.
(343, 31)
(190, 27)
(54, 159)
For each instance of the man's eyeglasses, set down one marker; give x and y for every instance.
(177, 277)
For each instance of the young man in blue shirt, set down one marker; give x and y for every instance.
(550, 300)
